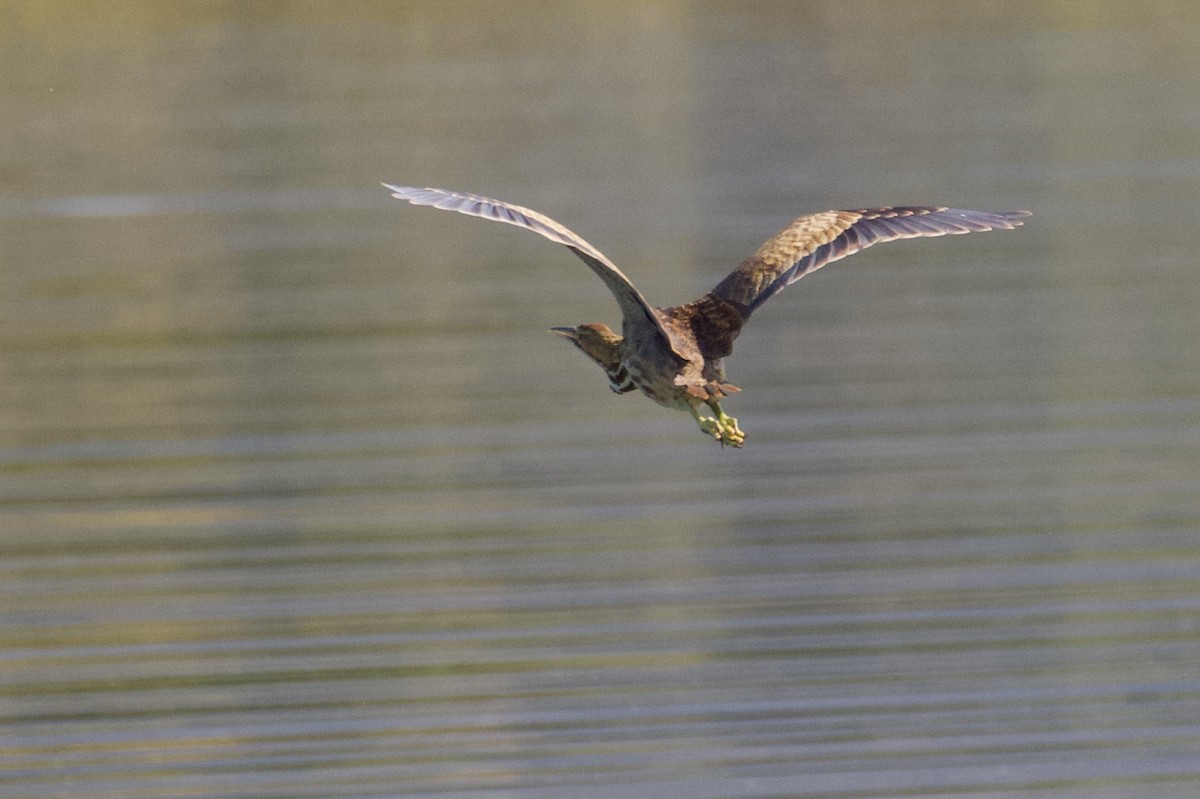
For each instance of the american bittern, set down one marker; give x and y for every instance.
(674, 355)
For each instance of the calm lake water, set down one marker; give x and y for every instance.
(299, 499)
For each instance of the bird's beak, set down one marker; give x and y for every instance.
(566, 332)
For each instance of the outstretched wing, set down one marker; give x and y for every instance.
(634, 307)
(812, 241)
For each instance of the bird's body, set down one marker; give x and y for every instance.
(675, 355)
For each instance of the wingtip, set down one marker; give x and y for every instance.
(1017, 218)
(999, 220)
(397, 191)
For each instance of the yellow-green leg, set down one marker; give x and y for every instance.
(730, 433)
(707, 424)
(723, 428)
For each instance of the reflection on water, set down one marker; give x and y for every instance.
(298, 498)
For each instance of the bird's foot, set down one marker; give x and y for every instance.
(709, 425)
(730, 433)
(724, 428)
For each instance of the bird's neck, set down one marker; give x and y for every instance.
(609, 354)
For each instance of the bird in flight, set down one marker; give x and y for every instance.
(675, 356)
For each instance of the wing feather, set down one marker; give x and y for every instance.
(813, 241)
(634, 307)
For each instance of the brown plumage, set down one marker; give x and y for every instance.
(674, 355)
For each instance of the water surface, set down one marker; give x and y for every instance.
(299, 499)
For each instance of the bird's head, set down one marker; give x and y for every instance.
(597, 341)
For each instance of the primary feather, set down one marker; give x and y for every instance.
(813, 241)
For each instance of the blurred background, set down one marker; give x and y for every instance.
(298, 498)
